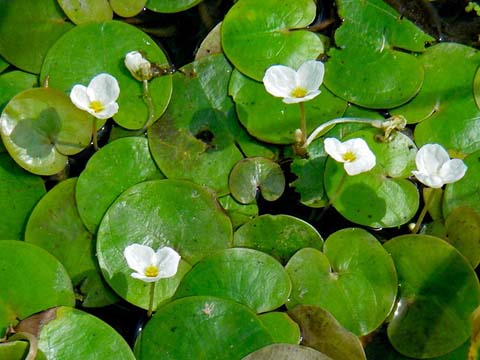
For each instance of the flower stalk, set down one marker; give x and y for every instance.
(428, 201)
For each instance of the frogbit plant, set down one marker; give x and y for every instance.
(151, 266)
(435, 169)
(99, 99)
(295, 86)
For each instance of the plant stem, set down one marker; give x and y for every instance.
(148, 101)
(428, 202)
(303, 123)
(152, 295)
(94, 133)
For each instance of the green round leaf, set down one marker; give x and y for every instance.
(94, 48)
(354, 279)
(278, 235)
(381, 197)
(445, 106)
(19, 193)
(286, 352)
(281, 327)
(159, 213)
(83, 11)
(253, 174)
(40, 127)
(14, 82)
(67, 333)
(22, 44)
(215, 328)
(127, 8)
(32, 280)
(269, 119)
(321, 331)
(371, 66)
(55, 225)
(438, 292)
(103, 179)
(247, 276)
(464, 193)
(171, 6)
(196, 139)
(463, 231)
(269, 33)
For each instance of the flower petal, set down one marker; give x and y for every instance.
(453, 170)
(432, 181)
(109, 110)
(310, 75)
(79, 97)
(364, 163)
(279, 80)
(430, 158)
(167, 262)
(145, 278)
(104, 88)
(138, 257)
(335, 148)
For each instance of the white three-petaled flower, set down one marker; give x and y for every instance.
(139, 67)
(150, 266)
(99, 98)
(435, 168)
(355, 154)
(294, 86)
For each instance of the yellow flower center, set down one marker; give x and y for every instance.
(96, 106)
(349, 156)
(151, 271)
(299, 92)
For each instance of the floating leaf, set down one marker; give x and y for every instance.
(196, 139)
(19, 193)
(83, 11)
(14, 82)
(103, 179)
(269, 119)
(381, 197)
(169, 6)
(215, 329)
(281, 327)
(40, 127)
(55, 225)
(247, 276)
(26, 46)
(253, 174)
(127, 8)
(321, 331)
(278, 235)
(211, 44)
(354, 279)
(68, 63)
(270, 33)
(438, 292)
(286, 352)
(464, 193)
(374, 54)
(445, 106)
(68, 333)
(159, 213)
(32, 281)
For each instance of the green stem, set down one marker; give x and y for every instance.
(428, 202)
(94, 134)
(152, 296)
(32, 343)
(319, 130)
(148, 101)
(303, 123)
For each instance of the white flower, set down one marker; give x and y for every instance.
(99, 98)
(434, 167)
(139, 67)
(355, 154)
(151, 266)
(294, 86)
